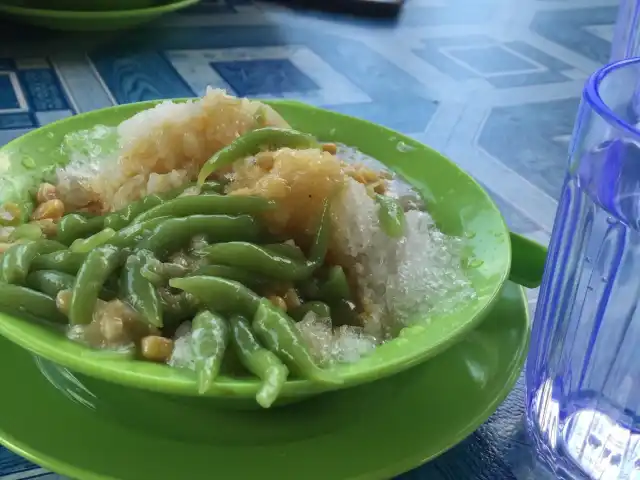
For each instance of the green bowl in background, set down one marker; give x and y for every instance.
(55, 17)
(84, 5)
(457, 203)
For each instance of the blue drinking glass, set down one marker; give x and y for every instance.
(583, 370)
(626, 35)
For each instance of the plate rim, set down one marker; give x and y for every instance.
(404, 465)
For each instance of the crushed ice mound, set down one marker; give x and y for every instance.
(399, 280)
(110, 167)
(345, 344)
(182, 356)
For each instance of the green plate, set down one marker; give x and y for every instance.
(457, 203)
(91, 20)
(93, 430)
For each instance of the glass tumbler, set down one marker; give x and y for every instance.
(583, 370)
(626, 34)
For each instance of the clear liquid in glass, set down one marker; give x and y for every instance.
(583, 372)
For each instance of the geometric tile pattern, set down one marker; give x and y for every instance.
(31, 95)
(537, 137)
(576, 29)
(502, 64)
(8, 96)
(493, 84)
(353, 78)
(267, 72)
(269, 76)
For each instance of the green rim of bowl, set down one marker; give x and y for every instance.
(479, 220)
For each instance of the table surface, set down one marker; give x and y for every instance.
(493, 84)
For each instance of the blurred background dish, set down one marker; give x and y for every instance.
(85, 5)
(87, 21)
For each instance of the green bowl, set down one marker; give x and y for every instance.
(97, 19)
(83, 5)
(457, 203)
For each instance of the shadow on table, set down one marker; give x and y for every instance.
(382, 11)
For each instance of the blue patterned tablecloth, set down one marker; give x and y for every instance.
(493, 84)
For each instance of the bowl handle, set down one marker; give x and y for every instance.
(527, 261)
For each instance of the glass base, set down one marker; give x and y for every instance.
(583, 442)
